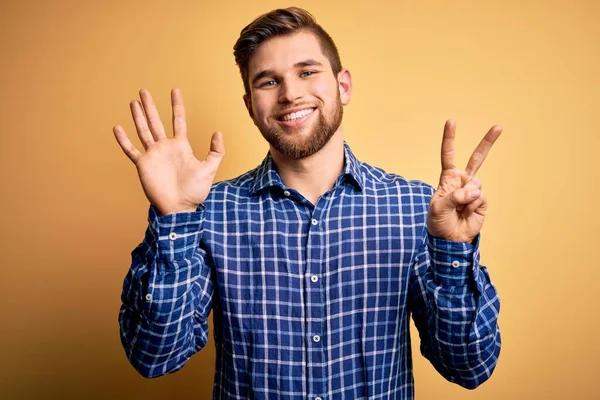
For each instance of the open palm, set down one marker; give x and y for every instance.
(173, 179)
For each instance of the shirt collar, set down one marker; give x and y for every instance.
(266, 175)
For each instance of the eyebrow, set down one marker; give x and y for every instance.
(301, 64)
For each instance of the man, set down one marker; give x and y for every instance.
(313, 262)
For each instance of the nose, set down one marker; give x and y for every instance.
(290, 91)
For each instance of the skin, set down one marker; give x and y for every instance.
(290, 73)
(458, 207)
(300, 78)
(280, 80)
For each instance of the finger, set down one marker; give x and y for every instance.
(475, 204)
(460, 197)
(473, 184)
(126, 145)
(448, 145)
(179, 120)
(141, 125)
(217, 150)
(483, 149)
(154, 122)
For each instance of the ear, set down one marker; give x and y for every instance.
(248, 103)
(345, 86)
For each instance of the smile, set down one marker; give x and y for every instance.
(297, 117)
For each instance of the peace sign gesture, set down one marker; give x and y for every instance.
(457, 209)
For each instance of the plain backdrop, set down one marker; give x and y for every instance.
(73, 209)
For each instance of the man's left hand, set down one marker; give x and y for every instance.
(457, 209)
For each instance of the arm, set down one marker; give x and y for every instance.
(168, 292)
(454, 305)
(167, 295)
(455, 310)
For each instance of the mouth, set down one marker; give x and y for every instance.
(297, 117)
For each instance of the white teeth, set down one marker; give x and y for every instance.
(296, 115)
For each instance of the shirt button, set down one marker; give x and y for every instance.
(172, 236)
(314, 278)
(286, 193)
(455, 264)
(316, 338)
(318, 398)
(148, 297)
(314, 222)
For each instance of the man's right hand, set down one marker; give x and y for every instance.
(173, 179)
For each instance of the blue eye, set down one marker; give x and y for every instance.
(268, 83)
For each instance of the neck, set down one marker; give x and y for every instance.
(314, 175)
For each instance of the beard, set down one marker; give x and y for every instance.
(295, 146)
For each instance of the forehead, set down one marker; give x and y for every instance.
(282, 52)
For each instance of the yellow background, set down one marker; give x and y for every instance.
(72, 207)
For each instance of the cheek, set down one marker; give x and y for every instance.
(261, 106)
(326, 90)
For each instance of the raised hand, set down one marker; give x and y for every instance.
(457, 209)
(173, 179)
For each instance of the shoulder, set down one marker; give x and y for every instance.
(378, 179)
(410, 198)
(234, 188)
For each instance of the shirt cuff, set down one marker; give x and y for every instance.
(453, 263)
(177, 236)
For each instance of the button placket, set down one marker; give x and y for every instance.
(315, 306)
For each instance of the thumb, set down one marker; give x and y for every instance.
(217, 150)
(460, 197)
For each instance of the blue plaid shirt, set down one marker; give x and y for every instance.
(309, 301)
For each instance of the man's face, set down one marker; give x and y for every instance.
(294, 96)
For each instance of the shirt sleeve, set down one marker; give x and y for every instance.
(455, 309)
(167, 295)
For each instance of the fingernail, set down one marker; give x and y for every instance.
(475, 193)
